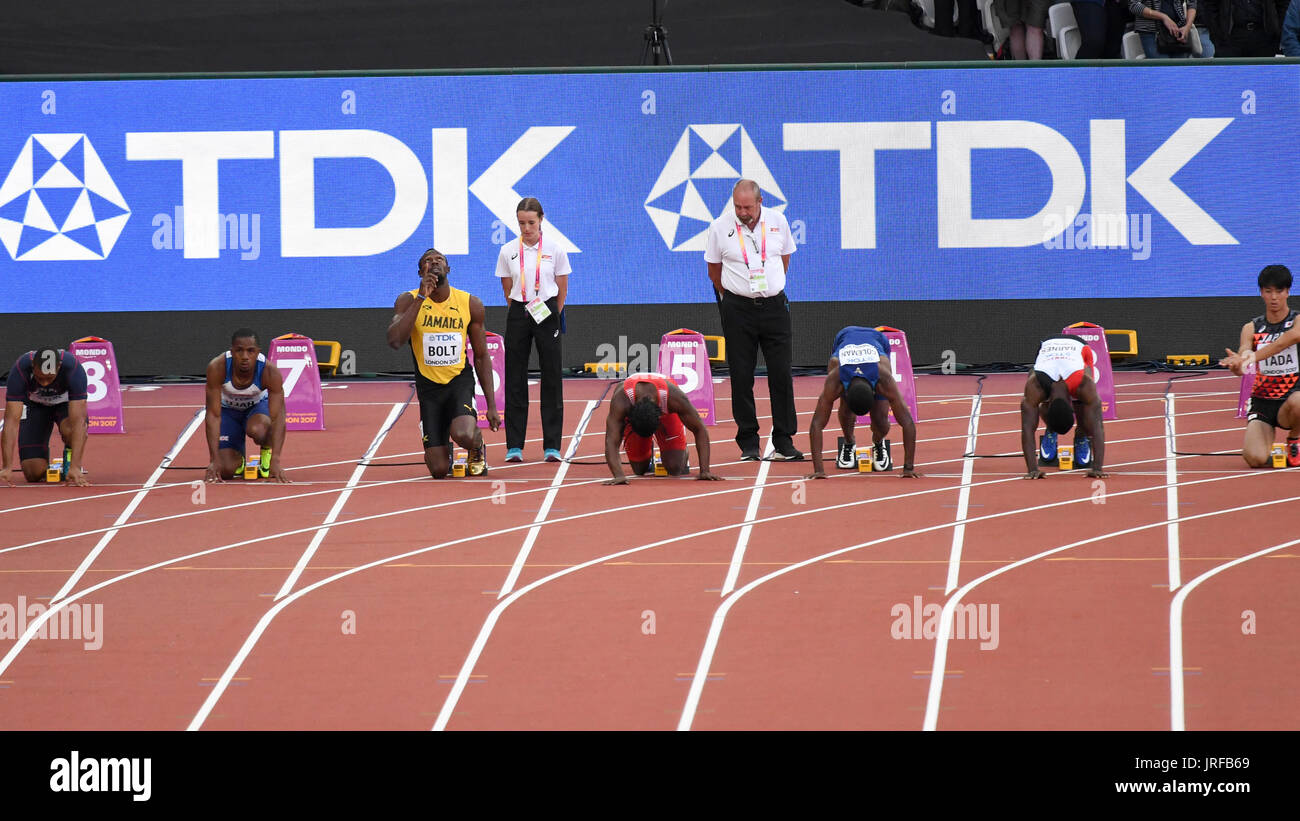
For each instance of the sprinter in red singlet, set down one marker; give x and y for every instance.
(646, 406)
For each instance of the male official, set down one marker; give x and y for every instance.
(1060, 389)
(1271, 342)
(748, 256)
(245, 399)
(650, 405)
(436, 320)
(51, 384)
(858, 375)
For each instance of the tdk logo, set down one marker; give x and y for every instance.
(954, 142)
(204, 154)
(695, 185)
(59, 202)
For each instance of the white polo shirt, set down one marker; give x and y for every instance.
(723, 244)
(555, 263)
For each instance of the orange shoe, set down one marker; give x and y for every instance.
(1293, 453)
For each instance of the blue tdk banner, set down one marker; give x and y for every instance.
(1019, 183)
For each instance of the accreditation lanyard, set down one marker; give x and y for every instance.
(537, 281)
(757, 279)
(536, 307)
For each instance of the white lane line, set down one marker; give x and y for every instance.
(383, 483)
(1171, 496)
(35, 626)
(963, 498)
(1177, 717)
(480, 642)
(542, 512)
(742, 539)
(342, 500)
(945, 618)
(130, 508)
(720, 615)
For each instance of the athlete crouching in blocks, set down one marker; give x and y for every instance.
(651, 406)
(245, 398)
(858, 374)
(1271, 342)
(1061, 389)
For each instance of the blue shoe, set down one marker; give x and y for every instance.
(553, 455)
(1047, 447)
(1082, 451)
(515, 455)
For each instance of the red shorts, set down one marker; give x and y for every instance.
(670, 436)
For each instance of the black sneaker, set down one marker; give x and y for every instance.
(787, 454)
(749, 455)
(844, 457)
(881, 456)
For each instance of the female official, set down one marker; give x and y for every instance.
(534, 272)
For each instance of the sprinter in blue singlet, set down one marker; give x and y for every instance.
(859, 372)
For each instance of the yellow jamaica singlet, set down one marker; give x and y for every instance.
(438, 337)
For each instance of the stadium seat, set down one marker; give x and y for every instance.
(992, 24)
(1064, 30)
(1059, 17)
(1133, 46)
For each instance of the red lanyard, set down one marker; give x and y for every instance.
(523, 283)
(762, 229)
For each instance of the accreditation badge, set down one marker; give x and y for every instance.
(537, 309)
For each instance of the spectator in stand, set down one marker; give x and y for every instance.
(1101, 25)
(1291, 30)
(1245, 28)
(1152, 15)
(1025, 19)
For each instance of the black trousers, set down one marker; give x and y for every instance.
(522, 333)
(751, 325)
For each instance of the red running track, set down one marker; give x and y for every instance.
(373, 597)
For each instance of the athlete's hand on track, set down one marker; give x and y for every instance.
(910, 474)
(77, 477)
(1097, 474)
(277, 474)
(4, 477)
(622, 480)
(213, 474)
(709, 477)
(817, 474)
(1035, 474)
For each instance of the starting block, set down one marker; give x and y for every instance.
(863, 456)
(250, 469)
(459, 459)
(54, 472)
(1065, 457)
(658, 462)
(1279, 456)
